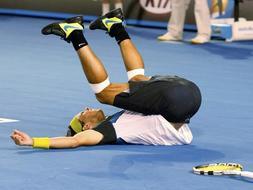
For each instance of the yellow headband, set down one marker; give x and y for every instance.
(76, 125)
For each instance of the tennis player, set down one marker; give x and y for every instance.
(156, 109)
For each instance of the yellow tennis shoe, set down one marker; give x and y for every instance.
(65, 28)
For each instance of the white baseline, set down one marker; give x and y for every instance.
(5, 120)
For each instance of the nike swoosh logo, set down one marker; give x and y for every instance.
(69, 27)
(110, 21)
(81, 44)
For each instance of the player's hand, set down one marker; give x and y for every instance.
(21, 138)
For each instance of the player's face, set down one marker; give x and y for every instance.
(90, 115)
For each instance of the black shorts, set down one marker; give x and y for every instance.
(175, 98)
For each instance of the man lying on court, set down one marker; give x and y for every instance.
(156, 109)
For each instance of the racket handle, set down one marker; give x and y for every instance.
(247, 174)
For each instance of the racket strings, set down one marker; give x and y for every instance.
(219, 168)
(216, 169)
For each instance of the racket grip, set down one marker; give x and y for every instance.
(247, 174)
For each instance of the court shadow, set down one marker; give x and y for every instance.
(144, 34)
(4, 17)
(190, 153)
(29, 150)
(227, 51)
(125, 157)
(151, 155)
(245, 42)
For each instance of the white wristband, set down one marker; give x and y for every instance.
(99, 87)
(134, 72)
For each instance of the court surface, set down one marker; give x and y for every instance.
(42, 85)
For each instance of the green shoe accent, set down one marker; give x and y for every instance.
(64, 28)
(69, 28)
(109, 22)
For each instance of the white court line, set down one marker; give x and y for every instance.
(5, 120)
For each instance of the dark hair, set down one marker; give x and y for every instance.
(70, 132)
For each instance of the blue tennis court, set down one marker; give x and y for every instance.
(42, 86)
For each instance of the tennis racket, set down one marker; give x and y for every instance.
(222, 169)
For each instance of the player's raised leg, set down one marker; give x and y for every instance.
(112, 23)
(71, 30)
